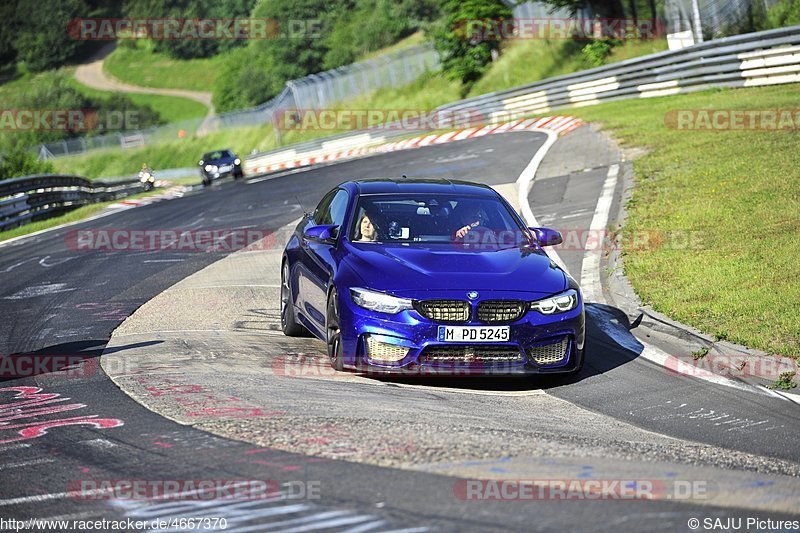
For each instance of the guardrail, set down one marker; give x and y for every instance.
(748, 60)
(30, 198)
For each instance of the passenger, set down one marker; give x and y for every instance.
(367, 230)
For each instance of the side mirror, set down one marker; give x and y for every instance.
(200, 162)
(546, 236)
(324, 234)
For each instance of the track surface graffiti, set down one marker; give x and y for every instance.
(21, 418)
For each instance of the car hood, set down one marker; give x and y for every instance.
(418, 271)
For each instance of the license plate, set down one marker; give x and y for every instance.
(225, 168)
(474, 333)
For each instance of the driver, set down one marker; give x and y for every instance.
(470, 216)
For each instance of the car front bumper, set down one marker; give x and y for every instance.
(533, 340)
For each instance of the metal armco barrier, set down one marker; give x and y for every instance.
(749, 60)
(30, 198)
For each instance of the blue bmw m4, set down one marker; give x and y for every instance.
(430, 277)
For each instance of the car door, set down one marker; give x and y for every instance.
(317, 264)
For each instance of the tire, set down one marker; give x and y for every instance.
(333, 334)
(289, 324)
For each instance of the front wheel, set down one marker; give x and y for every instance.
(289, 324)
(333, 332)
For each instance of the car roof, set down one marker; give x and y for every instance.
(421, 185)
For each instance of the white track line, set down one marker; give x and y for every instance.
(33, 462)
(590, 283)
(524, 184)
(592, 288)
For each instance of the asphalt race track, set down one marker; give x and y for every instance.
(351, 453)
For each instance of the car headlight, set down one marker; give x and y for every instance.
(209, 168)
(237, 161)
(560, 303)
(379, 301)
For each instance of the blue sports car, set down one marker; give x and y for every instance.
(430, 277)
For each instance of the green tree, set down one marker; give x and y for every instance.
(460, 37)
(374, 24)
(42, 41)
(245, 79)
(187, 48)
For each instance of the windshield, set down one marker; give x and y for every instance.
(432, 219)
(219, 154)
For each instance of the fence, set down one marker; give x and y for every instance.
(715, 17)
(749, 60)
(30, 198)
(312, 92)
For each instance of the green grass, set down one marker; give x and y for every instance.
(170, 108)
(529, 60)
(737, 193)
(426, 93)
(415, 39)
(141, 66)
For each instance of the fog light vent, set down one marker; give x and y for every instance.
(549, 354)
(383, 351)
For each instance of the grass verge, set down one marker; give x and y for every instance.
(141, 66)
(170, 108)
(528, 60)
(726, 205)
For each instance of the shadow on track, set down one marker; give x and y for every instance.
(77, 357)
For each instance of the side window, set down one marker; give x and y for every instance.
(339, 208)
(322, 212)
(334, 211)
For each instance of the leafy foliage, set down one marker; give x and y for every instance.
(20, 163)
(42, 42)
(784, 13)
(464, 57)
(54, 91)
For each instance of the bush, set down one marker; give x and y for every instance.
(245, 79)
(784, 13)
(54, 91)
(595, 53)
(20, 163)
